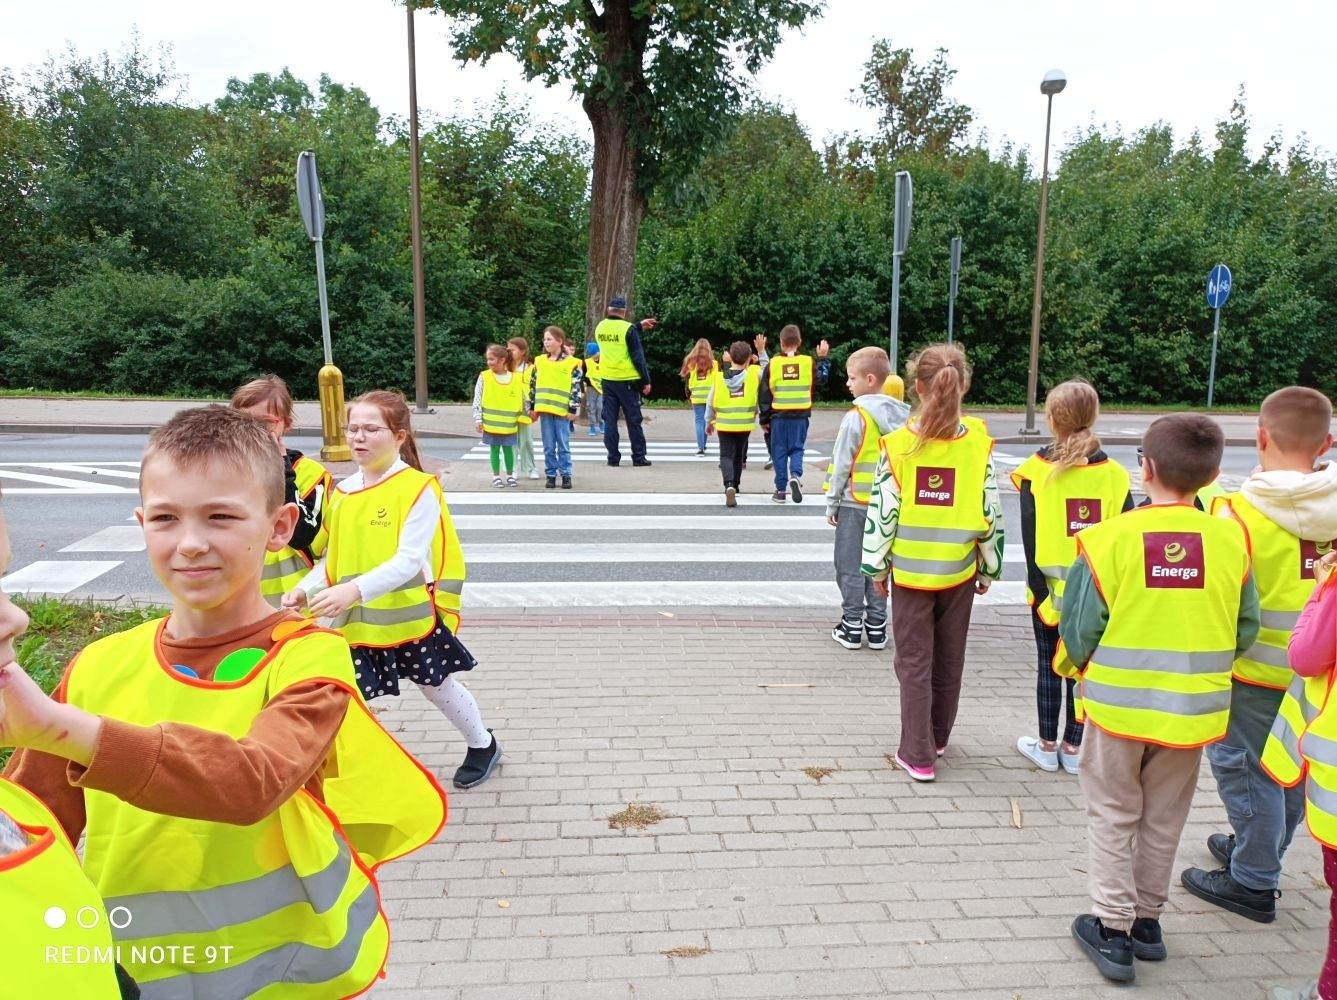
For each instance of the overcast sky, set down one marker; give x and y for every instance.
(1129, 65)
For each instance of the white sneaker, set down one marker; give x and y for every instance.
(1045, 760)
(1309, 992)
(533, 473)
(1069, 761)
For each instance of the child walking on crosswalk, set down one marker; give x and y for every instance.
(392, 576)
(554, 397)
(518, 350)
(499, 406)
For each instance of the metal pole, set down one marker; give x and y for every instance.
(1033, 376)
(324, 302)
(1211, 377)
(415, 230)
(895, 305)
(951, 304)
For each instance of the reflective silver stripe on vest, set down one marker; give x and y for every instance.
(508, 415)
(915, 533)
(1169, 702)
(1285, 734)
(792, 393)
(1282, 621)
(284, 567)
(1325, 799)
(1273, 656)
(554, 397)
(932, 567)
(1165, 660)
(733, 416)
(199, 911)
(1320, 749)
(361, 615)
(450, 586)
(293, 962)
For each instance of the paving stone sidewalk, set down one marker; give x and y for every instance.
(764, 881)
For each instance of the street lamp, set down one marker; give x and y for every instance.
(415, 233)
(1052, 84)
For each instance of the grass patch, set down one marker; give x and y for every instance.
(818, 773)
(58, 629)
(687, 951)
(637, 816)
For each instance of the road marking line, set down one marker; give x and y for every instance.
(117, 538)
(682, 593)
(52, 577)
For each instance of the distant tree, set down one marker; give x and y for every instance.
(914, 111)
(656, 80)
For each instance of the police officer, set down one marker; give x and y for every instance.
(626, 377)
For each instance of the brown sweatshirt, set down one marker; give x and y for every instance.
(182, 770)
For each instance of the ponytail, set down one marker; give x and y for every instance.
(944, 375)
(1072, 408)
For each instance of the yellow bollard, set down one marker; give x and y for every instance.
(331, 382)
(894, 386)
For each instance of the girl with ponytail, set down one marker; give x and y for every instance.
(1066, 486)
(933, 540)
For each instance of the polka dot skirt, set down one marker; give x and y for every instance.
(426, 661)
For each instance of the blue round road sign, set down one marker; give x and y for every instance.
(1218, 286)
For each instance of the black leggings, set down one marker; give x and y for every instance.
(733, 454)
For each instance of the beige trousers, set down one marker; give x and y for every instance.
(1137, 800)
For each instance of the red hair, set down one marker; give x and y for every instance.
(395, 412)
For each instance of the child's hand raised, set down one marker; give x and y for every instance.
(823, 349)
(1324, 567)
(334, 601)
(28, 718)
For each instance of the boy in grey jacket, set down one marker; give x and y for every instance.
(849, 482)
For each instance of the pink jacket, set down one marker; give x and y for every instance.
(1313, 644)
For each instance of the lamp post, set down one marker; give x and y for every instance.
(415, 233)
(1052, 84)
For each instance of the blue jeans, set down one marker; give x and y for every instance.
(788, 437)
(556, 444)
(1263, 814)
(624, 397)
(699, 409)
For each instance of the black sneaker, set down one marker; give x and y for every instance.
(1220, 887)
(551, 484)
(848, 634)
(1221, 846)
(796, 490)
(778, 497)
(614, 464)
(1111, 951)
(877, 635)
(478, 764)
(1148, 944)
(641, 463)
(566, 482)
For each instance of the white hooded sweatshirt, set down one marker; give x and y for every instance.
(1303, 503)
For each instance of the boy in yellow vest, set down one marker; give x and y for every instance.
(234, 793)
(786, 406)
(848, 486)
(1158, 605)
(1288, 510)
(732, 407)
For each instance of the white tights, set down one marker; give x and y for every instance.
(458, 705)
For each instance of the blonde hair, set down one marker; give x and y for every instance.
(944, 373)
(395, 412)
(869, 361)
(557, 332)
(521, 343)
(206, 437)
(1072, 408)
(268, 391)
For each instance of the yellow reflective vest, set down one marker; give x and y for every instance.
(1066, 502)
(614, 354)
(58, 942)
(1284, 572)
(736, 410)
(503, 404)
(789, 377)
(552, 384)
(365, 526)
(698, 385)
(594, 373)
(285, 568)
(1303, 745)
(941, 520)
(287, 907)
(865, 460)
(1170, 576)
(522, 373)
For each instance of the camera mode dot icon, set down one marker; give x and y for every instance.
(54, 918)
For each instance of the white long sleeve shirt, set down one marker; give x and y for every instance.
(411, 559)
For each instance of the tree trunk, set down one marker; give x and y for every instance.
(616, 211)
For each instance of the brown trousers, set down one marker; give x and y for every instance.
(930, 628)
(1137, 800)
